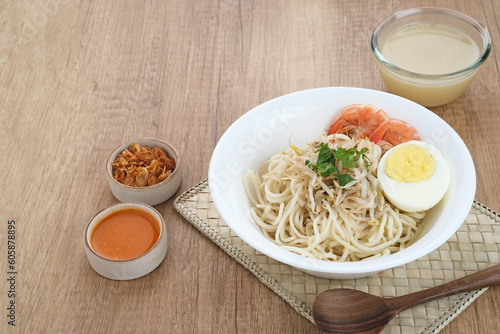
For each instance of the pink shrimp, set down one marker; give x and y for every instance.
(358, 121)
(393, 132)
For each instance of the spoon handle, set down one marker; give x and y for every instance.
(478, 280)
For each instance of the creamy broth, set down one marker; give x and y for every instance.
(426, 92)
(428, 49)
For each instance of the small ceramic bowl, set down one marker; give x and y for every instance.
(151, 195)
(435, 27)
(130, 268)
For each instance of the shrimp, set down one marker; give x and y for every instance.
(366, 121)
(393, 132)
(358, 121)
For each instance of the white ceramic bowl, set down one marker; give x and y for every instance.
(151, 195)
(301, 117)
(132, 268)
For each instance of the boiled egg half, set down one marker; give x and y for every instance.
(414, 176)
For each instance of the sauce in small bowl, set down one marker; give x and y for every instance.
(126, 241)
(125, 234)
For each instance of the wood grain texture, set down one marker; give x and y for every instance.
(77, 78)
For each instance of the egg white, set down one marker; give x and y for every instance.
(416, 196)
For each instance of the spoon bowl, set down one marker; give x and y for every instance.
(373, 311)
(353, 311)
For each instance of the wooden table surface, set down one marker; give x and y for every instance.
(78, 78)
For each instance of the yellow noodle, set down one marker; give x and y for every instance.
(315, 217)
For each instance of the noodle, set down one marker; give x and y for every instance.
(316, 217)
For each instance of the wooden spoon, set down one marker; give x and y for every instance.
(353, 311)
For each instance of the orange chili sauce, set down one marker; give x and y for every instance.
(125, 234)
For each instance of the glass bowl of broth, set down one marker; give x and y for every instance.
(429, 55)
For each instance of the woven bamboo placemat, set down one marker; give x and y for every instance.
(475, 246)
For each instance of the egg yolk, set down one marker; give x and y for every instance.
(410, 163)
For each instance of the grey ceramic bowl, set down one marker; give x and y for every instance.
(151, 195)
(130, 268)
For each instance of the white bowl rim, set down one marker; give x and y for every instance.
(349, 268)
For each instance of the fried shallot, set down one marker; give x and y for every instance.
(142, 166)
